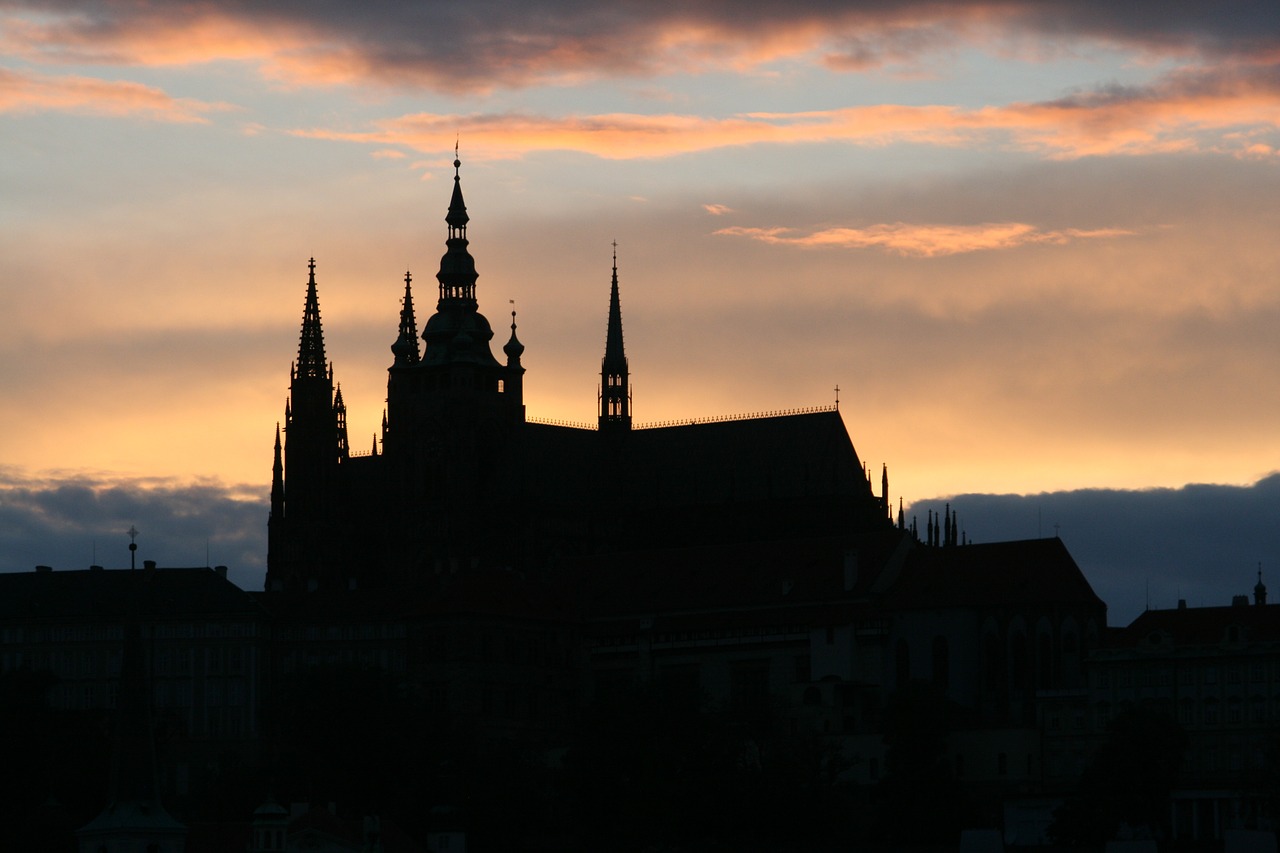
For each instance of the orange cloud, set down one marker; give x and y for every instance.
(717, 209)
(36, 93)
(922, 241)
(1170, 117)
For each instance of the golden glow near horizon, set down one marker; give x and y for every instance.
(1033, 245)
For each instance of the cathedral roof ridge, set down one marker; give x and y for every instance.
(748, 416)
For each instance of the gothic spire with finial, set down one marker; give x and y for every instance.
(405, 347)
(311, 361)
(615, 387)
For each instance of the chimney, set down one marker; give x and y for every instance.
(1239, 601)
(222, 571)
(43, 569)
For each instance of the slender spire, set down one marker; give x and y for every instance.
(340, 418)
(615, 384)
(884, 488)
(457, 274)
(277, 477)
(311, 361)
(406, 346)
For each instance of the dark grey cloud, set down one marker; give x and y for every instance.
(76, 522)
(488, 42)
(1201, 543)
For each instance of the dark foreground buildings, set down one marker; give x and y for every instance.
(551, 637)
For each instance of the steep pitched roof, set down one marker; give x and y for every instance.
(1019, 573)
(765, 458)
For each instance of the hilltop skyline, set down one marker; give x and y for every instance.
(1033, 244)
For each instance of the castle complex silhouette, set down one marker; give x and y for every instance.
(460, 477)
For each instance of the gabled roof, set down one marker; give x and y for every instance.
(782, 456)
(752, 480)
(1001, 574)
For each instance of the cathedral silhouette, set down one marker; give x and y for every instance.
(460, 478)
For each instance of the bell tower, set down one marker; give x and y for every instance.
(615, 381)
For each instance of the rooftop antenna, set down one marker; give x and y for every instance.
(837, 396)
(133, 546)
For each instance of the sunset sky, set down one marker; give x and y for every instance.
(1033, 243)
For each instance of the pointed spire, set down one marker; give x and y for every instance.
(311, 361)
(340, 417)
(884, 488)
(615, 383)
(406, 346)
(457, 216)
(457, 274)
(614, 353)
(277, 476)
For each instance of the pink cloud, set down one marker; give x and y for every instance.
(922, 240)
(1209, 111)
(21, 92)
